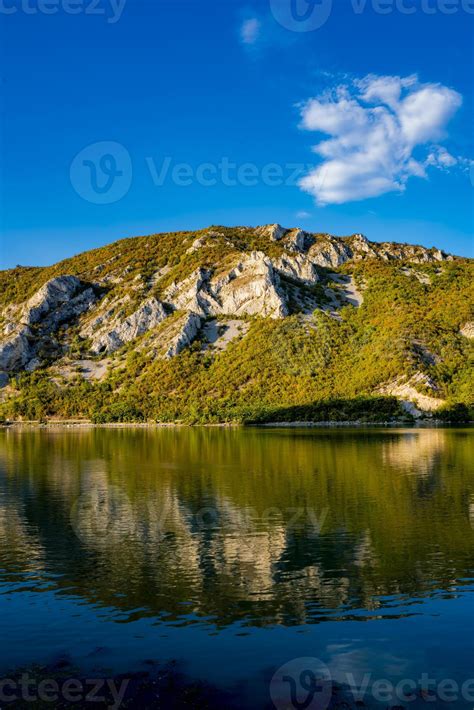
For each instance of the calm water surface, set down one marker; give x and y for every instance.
(235, 551)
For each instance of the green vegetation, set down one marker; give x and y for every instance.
(363, 409)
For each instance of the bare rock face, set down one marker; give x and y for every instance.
(187, 330)
(361, 248)
(440, 255)
(406, 389)
(109, 309)
(252, 287)
(297, 267)
(171, 336)
(116, 332)
(329, 253)
(53, 294)
(196, 245)
(296, 240)
(17, 349)
(274, 232)
(59, 300)
(192, 294)
(468, 330)
(389, 251)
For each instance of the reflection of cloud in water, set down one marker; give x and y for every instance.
(415, 452)
(350, 665)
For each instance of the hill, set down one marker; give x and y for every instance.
(239, 324)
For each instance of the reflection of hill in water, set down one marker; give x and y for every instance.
(21, 551)
(224, 523)
(416, 451)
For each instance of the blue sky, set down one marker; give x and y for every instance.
(120, 120)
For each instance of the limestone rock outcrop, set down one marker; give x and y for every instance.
(192, 294)
(172, 336)
(468, 330)
(17, 349)
(298, 268)
(407, 389)
(59, 300)
(274, 232)
(188, 328)
(108, 335)
(249, 287)
(329, 253)
(30, 326)
(297, 240)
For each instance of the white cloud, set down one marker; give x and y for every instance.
(376, 125)
(250, 30)
(440, 158)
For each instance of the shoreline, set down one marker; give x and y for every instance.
(331, 424)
